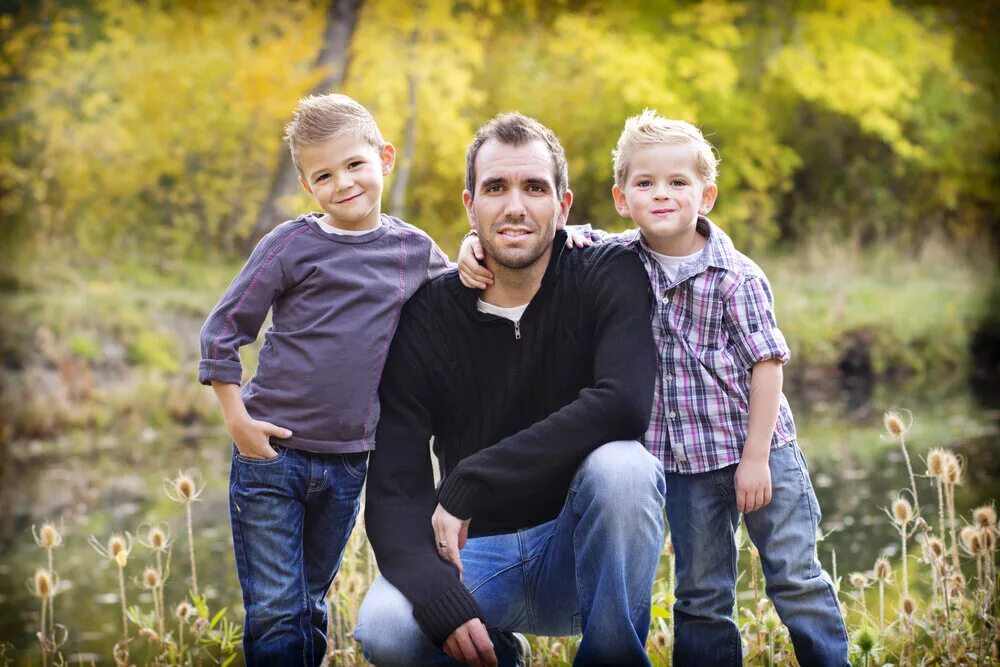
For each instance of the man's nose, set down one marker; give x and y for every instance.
(514, 206)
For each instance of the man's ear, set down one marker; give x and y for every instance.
(564, 205)
(467, 202)
(621, 204)
(708, 199)
(388, 157)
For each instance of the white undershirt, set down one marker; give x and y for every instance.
(512, 314)
(672, 265)
(329, 229)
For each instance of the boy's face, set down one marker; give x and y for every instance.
(344, 175)
(664, 195)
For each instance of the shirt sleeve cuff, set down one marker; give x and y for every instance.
(227, 372)
(458, 496)
(765, 345)
(444, 614)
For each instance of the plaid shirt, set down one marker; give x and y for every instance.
(711, 325)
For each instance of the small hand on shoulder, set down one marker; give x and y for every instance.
(474, 275)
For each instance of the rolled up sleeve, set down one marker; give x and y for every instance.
(750, 323)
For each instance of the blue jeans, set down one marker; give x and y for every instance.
(591, 569)
(291, 518)
(701, 510)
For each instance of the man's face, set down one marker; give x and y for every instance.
(516, 210)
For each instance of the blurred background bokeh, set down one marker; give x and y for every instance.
(141, 158)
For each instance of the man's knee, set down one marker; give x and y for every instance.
(624, 474)
(386, 630)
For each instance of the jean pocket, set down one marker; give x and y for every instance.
(282, 452)
(356, 465)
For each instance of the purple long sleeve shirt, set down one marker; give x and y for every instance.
(336, 302)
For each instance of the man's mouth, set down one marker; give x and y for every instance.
(513, 233)
(351, 198)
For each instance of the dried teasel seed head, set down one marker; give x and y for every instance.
(151, 577)
(117, 544)
(935, 462)
(908, 605)
(969, 535)
(882, 570)
(858, 580)
(952, 470)
(185, 487)
(935, 547)
(48, 536)
(902, 511)
(150, 634)
(985, 516)
(894, 424)
(157, 538)
(199, 625)
(989, 539)
(660, 640)
(44, 585)
(183, 611)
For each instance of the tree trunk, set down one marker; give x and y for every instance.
(341, 19)
(405, 162)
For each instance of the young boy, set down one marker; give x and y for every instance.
(720, 423)
(304, 423)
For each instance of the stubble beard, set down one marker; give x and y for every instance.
(511, 258)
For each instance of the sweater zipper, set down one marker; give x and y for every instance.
(517, 330)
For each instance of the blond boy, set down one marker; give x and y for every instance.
(303, 425)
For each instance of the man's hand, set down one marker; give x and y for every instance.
(252, 437)
(753, 483)
(450, 534)
(470, 643)
(473, 274)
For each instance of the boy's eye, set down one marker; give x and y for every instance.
(356, 163)
(322, 177)
(644, 183)
(678, 183)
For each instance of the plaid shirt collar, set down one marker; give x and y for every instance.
(718, 252)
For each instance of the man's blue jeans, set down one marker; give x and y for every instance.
(701, 510)
(591, 569)
(291, 518)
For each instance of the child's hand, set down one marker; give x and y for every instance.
(576, 239)
(252, 437)
(473, 274)
(753, 484)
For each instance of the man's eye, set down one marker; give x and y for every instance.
(535, 188)
(494, 188)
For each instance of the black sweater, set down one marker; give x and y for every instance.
(513, 410)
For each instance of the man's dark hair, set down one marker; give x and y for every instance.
(516, 129)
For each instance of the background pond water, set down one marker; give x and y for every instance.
(99, 483)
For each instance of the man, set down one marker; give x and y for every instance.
(549, 518)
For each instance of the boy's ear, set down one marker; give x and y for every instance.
(708, 197)
(305, 186)
(621, 205)
(388, 157)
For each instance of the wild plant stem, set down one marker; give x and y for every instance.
(44, 639)
(159, 592)
(909, 469)
(951, 522)
(906, 578)
(881, 605)
(190, 531)
(121, 594)
(51, 599)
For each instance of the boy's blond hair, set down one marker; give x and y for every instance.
(650, 129)
(319, 118)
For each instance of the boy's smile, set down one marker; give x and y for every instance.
(344, 175)
(664, 195)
